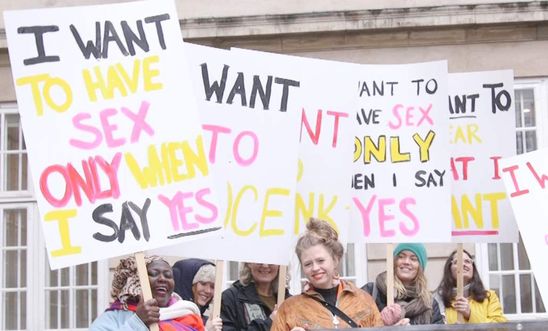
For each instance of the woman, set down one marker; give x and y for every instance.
(328, 302)
(477, 305)
(250, 303)
(412, 300)
(130, 312)
(195, 281)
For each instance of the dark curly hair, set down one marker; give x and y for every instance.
(445, 289)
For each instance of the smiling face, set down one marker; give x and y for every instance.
(161, 281)
(319, 266)
(202, 292)
(406, 267)
(467, 268)
(263, 274)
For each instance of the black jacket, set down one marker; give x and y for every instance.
(242, 309)
(380, 300)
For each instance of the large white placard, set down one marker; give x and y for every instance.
(111, 127)
(325, 150)
(400, 180)
(250, 115)
(481, 124)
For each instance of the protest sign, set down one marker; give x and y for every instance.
(526, 181)
(250, 120)
(115, 147)
(325, 150)
(481, 125)
(400, 175)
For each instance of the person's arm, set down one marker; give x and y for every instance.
(118, 320)
(260, 325)
(375, 319)
(368, 288)
(229, 311)
(494, 311)
(373, 291)
(279, 322)
(437, 317)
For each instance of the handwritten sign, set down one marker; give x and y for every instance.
(400, 188)
(526, 181)
(251, 126)
(481, 125)
(115, 146)
(325, 150)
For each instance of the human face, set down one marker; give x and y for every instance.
(467, 268)
(202, 292)
(407, 267)
(319, 266)
(161, 281)
(263, 274)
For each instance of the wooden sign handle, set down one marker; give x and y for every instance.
(389, 274)
(282, 275)
(145, 284)
(460, 278)
(219, 270)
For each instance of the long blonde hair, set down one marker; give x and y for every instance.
(420, 284)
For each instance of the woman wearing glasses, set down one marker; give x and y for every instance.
(477, 305)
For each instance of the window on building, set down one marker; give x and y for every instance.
(32, 297)
(13, 156)
(509, 270)
(14, 268)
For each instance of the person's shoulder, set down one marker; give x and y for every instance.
(368, 287)
(234, 289)
(362, 292)
(492, 295)
(296, 299)
(236, 286)
(116, 314)
(350, 286)
(112, 319)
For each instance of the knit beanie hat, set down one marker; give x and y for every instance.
(417, 249)
(205, 274)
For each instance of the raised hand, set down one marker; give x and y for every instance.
(149, 311)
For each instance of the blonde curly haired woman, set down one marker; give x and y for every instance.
(327, 302)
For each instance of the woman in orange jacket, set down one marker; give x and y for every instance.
(328, 302)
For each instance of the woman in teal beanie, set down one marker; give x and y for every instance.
(413, 303)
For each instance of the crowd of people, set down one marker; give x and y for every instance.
(182, 293)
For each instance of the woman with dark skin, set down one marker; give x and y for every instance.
(129, 311)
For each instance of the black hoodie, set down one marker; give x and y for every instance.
(183, 273)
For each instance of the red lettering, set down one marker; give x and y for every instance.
(464, 160)
(89, 183)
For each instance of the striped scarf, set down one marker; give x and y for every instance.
(188, 322)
